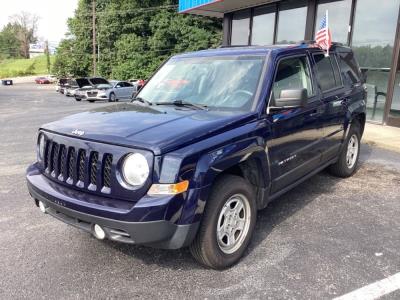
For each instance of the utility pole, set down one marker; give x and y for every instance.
(98, 48)
(94, 35)
(48, 57)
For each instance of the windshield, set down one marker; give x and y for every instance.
(216, 82)
(96, 81)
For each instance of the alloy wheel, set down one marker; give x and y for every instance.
(352, 151)
(233, 223)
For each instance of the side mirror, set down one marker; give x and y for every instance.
(290, 99)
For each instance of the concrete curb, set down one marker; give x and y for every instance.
(380, 136)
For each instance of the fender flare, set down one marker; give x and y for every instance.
(215, 163)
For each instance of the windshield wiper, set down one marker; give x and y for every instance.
(142, 100)
(183, 103)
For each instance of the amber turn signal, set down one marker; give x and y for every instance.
(169, 189)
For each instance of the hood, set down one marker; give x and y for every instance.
(81, 82)
(145, 127)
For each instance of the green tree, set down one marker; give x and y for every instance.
(134, 37)
(9, 44)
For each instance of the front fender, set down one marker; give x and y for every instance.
(202, 162)
(212, 164)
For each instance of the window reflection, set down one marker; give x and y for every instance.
(292, 22)
(373, 39)
(263, 26)
(339, 18)
(240, 27)
(395, 108)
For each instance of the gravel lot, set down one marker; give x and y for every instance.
(324, 239)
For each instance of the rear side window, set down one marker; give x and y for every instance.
(349, 67)
(293, 73)
(327, 72)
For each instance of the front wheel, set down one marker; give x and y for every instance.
(228, 223)
(113, 98)
(349, 156)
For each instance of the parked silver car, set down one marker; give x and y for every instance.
(121, 90)
(112, 91)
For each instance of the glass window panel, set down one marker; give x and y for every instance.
(263, 26)
(292, 73)
(240, 27)
(395, 107)
(325, 72)
(339, 18)
(349, 67)
(292, 22)
(373, 39)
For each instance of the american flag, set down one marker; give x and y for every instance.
(323, 36)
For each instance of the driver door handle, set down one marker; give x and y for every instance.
(316, 112)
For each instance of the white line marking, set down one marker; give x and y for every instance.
(374, 290)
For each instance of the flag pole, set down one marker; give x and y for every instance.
(327, 33)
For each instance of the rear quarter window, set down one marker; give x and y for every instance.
(327, 72)
(349, 67)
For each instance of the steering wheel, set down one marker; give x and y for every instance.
(245, 93)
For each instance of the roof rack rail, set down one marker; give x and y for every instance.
(232, 46)
(308, 42)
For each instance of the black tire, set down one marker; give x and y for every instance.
(205, 247)
(341, 168)
(91, 101)
(112, 98)
(77, 99)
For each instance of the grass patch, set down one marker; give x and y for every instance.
(24, 67)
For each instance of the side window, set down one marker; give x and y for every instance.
(349, 67)
(293, 73)
(327, 72)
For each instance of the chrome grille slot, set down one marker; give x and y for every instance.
(81, 165)
(49, 161)
(54, 160)
(107, 162)
(94, 158)
(46, 154)
(62, 163)
(71, 166)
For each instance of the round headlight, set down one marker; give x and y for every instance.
(135, 169)
(41, 147)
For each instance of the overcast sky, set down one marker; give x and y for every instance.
(53, 15)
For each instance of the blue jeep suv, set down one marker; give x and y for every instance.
(212, 138)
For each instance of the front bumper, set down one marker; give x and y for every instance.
(159, 233)
(96, 98)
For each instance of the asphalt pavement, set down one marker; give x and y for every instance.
(325, 238)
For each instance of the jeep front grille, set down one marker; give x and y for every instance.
(78, 167)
